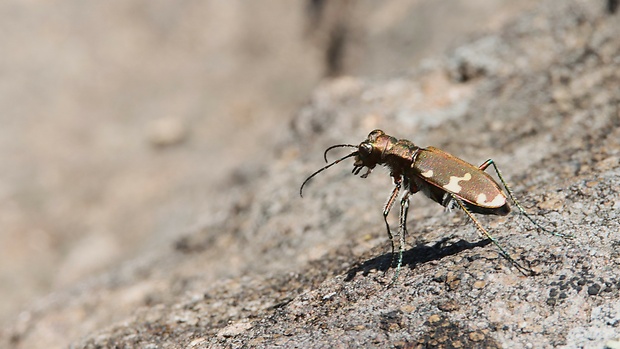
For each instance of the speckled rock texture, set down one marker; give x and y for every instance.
(541, 98)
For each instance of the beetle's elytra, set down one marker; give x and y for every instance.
(444, 178)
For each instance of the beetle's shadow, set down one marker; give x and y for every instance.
(417, 255)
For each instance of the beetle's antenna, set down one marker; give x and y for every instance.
(323, 169)
(337, 146)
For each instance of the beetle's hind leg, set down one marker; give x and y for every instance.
(525, 271)
(517, 203)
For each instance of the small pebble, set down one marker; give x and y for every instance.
(594, 289)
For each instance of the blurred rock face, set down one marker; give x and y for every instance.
(126, 122)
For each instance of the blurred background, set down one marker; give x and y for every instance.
(123, 123)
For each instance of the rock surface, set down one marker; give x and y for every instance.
(275, 270)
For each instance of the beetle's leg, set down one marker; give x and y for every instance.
(517, 203)
(402, 232)
(386, 211)
(525, 271)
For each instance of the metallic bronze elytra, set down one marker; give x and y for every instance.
(444, 178)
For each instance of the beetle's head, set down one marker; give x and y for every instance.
(368, 154)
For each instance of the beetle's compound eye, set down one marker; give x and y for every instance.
(372, 136)
(365, 149)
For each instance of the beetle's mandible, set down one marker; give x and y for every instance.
(444, 178)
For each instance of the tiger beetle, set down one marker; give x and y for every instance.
(444, 178)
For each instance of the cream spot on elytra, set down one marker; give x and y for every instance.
(498, 201)
(454, 186)
(427, 174)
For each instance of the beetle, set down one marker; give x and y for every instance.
(443, 177)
